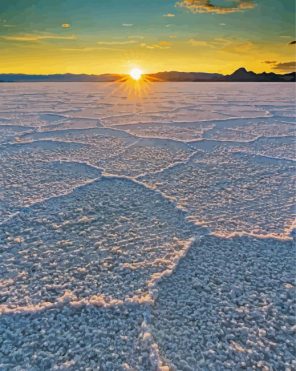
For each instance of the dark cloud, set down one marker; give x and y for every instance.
(285, 66)
(270, 62)
(207, 6)
(292, 42)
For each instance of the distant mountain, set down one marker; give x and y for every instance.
(185, 76)
(67, 77)
(240, 75)
(290, 76)
(243, 75)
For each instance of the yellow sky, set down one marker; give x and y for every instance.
(218, 55)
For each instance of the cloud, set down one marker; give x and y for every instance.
(239, 47)
(127, 24)
(196, 42)
(139, 37)
(90, 49)
(160, 45)
(285, 66)
(4, 23)
(228, 45)
(292, 42)
(33, 37)
(207, 6)
(270, 62)
(126, 42)
(232, 45)
(86, 49)
(169, 15)
(164, 44)
(66, 25)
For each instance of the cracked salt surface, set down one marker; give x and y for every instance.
(238, 191)
(107, 238)
(149, 234)
(235, 311)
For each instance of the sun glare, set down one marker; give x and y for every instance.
(135, 83)
(136, 73)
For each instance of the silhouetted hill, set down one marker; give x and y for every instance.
(185, 76)
(243, 75)
(290, 76)
(67, 77)
(240, 75)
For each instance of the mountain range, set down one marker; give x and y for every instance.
(240, 75)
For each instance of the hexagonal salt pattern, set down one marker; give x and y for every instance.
(229, 305)
(104, 241)
(31, 173)
(105, 261)
(232, 190)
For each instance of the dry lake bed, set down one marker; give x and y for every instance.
(147, 233)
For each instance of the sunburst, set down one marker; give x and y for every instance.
(136, 74)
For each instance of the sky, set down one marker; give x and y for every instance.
(113, 36)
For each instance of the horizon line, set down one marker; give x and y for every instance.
(144, 74)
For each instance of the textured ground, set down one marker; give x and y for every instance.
(147, 234)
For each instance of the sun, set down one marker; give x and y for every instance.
(136, 74)
(136, 83)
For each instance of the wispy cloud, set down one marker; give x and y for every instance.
(66, 25)
(86, 49)
(285, 66)
(4, 23)
(139, 37)
(208, 6)
(164, 44)
(160, 45)
(127, 24)
(236, 46)
(35, 37)
(169, 15)
(282, 66)
(125, 42)
(228, 45)
(196, 42)
(292, 42)
(90, 49)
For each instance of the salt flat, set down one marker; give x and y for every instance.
(147, 233)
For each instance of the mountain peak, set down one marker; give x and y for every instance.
(240, 70)
(242, 74)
